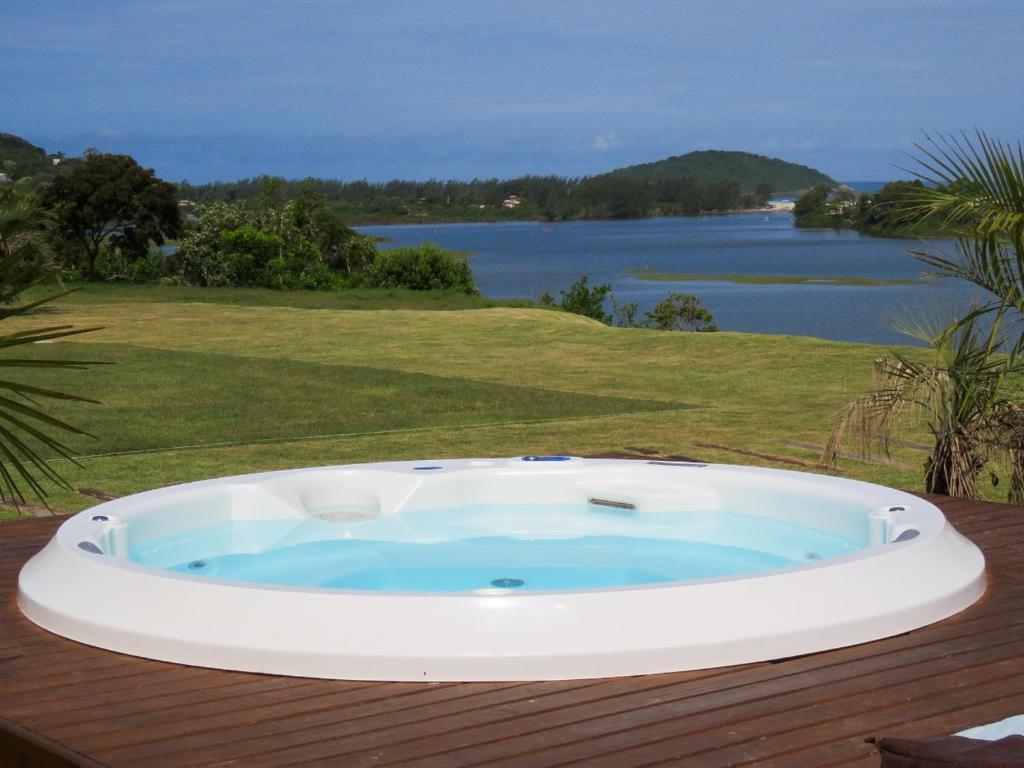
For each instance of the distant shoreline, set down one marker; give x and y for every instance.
(783, 207)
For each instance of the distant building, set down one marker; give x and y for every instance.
(4, 178)
(512, 201)
(186, 203)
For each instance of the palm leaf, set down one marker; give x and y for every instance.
(977, 184)
(27, 432)
(959, 395)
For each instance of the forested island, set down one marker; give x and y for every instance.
(685, 185)
(703, 182)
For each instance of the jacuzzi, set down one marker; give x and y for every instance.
(530, 568)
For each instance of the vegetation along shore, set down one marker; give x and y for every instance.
(275, 335)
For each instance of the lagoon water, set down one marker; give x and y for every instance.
(525, 259)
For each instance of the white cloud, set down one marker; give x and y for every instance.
(606, 142)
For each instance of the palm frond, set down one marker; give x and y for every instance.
(977, 184)
(957, 394)
(27, 432)
(986, 261)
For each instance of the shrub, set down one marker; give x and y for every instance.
(199, 256)
(425, 268)
(581, 299)
(112, 265)
(148, 269)
(284, 246)
(320, 278)
(680, 312)
(248, 252)
(626, 315)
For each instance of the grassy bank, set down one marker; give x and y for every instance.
(90, 294)
(208, 383)
(643, 274)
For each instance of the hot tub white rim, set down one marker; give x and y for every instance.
(535, 635)
(77, 529)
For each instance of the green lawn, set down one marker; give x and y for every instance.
(357, 298)
(239, 383)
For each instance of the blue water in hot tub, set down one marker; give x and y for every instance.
(487, 547)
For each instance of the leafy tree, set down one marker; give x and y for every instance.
(680, 312)
(200, 258)
(811, 208)
(110, 201)
(26, 430)
(341, 248)
(581, 299)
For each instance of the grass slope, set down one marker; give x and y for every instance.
(205, 389)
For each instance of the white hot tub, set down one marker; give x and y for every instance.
(531, 568)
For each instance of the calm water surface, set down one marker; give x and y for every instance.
(525, 259)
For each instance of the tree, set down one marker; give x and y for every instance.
(341, 248)
(680, 312)
(812, 209)
(762, 194)
(961, 395)
(110, 201)
(975, 188)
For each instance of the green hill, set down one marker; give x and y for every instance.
(20, 158)
(711, 166)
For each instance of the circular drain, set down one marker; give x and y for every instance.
(196, 564)
(812, 556)
(507, 583)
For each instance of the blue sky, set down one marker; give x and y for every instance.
(222, 89)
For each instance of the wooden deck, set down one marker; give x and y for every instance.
(62, 703)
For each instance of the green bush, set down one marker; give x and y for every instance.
(680, 312)
(113, 266)
(319, 277)
(289, 246)
(148, 269)
(425, 268)
(248, 252)
(581, 299)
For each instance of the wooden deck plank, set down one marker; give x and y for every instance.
(702, 719)
(72, 704)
